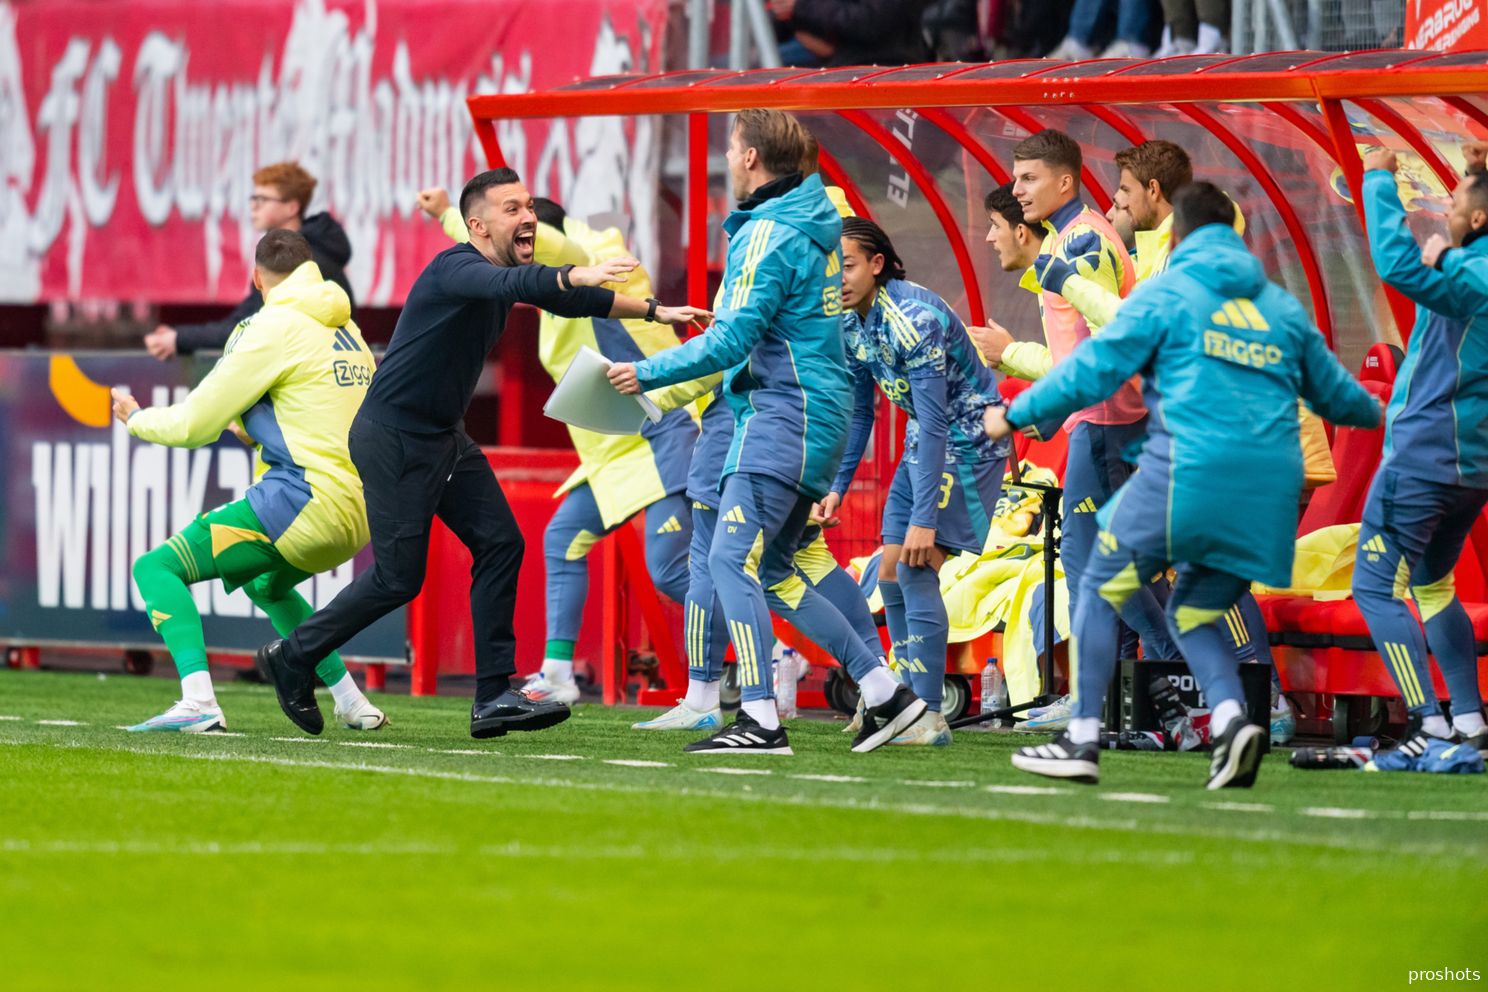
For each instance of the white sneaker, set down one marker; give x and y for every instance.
(683, 717)
(930, 730)
(1070, 50)
(542, 689)
(1052, 719)
(362, 716)
(1126, 50)
(185, 717)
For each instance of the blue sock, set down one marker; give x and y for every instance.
(842, 592)
(893, 600)
(1211, 658)
(1450, 634)
(928, 628)
(1398, 638)
(1095, 641)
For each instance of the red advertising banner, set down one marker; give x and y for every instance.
(1446, 25)
(129, 132)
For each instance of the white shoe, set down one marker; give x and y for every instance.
(1211, 41)
(930, 730)
(362, 716)
(683, 717)
(185, 717)
(1126, 50)
(1070, 50)
(542, 689)
(1053, 718)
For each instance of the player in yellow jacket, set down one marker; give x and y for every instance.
(618, 475)
(294, 375)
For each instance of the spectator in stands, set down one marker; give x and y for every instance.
(1091, 24)
(1432, 482)
(857, 32)
(281, 197)
(1027, 28)
(1196, 27)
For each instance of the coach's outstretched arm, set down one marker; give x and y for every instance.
(253, 363)
(572, 291)
(1099, 365)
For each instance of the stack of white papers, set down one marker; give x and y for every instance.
(585, 398)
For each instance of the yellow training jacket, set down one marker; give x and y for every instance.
(294, 374)
(626, 473)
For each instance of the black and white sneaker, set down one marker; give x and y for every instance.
(1061, 758)
(1237, 756)
(867, 727)
(1417, 740)
(888, 718)
(1478, 740)
(743, 736)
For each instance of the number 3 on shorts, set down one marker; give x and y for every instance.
(949, 480)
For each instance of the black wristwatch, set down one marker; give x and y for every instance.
(564, 282)
(651, 304)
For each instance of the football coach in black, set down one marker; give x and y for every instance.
(416, 462)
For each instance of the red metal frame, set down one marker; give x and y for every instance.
(926, 183)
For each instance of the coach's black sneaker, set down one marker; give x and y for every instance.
(743, 736)
(514, 710)
(1237, 756)
(1061, 758)
(867, 727)
(294, 687)
(889, 717)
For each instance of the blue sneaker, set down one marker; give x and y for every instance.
(683, 717)
(1051, 719)
(186, 717)
(1283, 725)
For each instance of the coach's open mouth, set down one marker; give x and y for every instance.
(525, 241)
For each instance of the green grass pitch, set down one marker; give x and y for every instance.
(592, 856)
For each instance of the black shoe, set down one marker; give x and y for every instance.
(743, 736)
(1478, 740)
(891, 716)
(867, 730)
(294, 687)
(1237, 756)
(1417, 740)
(514, 710)
(1061, 758)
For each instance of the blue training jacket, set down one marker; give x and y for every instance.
(1224, 353)
(778, 333)
(1436, 427)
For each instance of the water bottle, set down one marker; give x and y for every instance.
(788, 665)
(1173, 715)
(994, 691)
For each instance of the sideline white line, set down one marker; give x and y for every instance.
(60, 723)
(1132, 797)
(457, 750)
(11, 717)
(931, 784)
(1336, 813)
(382, 744)
(1445, 814)
(829, 778)
(737, 771)
(300, 740)
(637, 763)
(1026, 790)
(1241, 807)
(1451, 853)
(221, 733)
(551, 757)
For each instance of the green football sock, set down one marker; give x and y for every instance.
(277, 596)
(162, 575)
(559, 651)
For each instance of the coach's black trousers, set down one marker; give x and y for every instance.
(409, 479)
